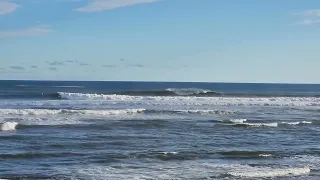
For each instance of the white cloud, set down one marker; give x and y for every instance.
(309, 22)
(7, 7)
(102, 5)
(312, 12)
(310, 16)
(31, 31)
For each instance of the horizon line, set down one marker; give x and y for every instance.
(148, 81)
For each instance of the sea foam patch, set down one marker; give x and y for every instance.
(8, 126)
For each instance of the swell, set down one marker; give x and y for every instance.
(248, 154)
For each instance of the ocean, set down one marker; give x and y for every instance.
(158, 131)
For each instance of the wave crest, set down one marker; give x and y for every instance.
(39, 112)
(193, 92)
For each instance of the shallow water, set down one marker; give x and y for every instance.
(113, 130)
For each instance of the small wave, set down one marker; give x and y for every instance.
(8, 126)
(265, 155)
(163, 156)
(193, 92)
(198, 112)
(206, 112)
(245, 123)
(257, 124)
(36, 112)
(247, 154)
(297, 123)
(234, 121)
(169, 153)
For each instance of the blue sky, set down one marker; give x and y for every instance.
(161, 40)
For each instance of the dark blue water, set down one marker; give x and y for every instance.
(158, 130)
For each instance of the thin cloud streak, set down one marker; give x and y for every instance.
(31, 31)
(84, 64)
(56, 63)
(53, 69)
(312, 12)
(7, 7)
(109, 66)
(103, 5)
(17, 67)
(310, 17)
(308, 22)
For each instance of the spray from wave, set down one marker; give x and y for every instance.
(8, 126)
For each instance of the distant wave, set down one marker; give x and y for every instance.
(41, 112)
(172, 92)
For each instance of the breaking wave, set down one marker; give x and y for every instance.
(245, 123)
(297, 123)
(257, 124)
(239, 101)
(39, 112)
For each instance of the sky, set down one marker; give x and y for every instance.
(161, 40)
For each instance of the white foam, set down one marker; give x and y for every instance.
(206, 112)
(268, 172)
(39, 112)
(191, 100)
(236, 121)
(169, 153)
(265, 155)
(181, 171)
(259, 124)
(9, 126)
(297, 123)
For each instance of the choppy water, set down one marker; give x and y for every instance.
(134, 130)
